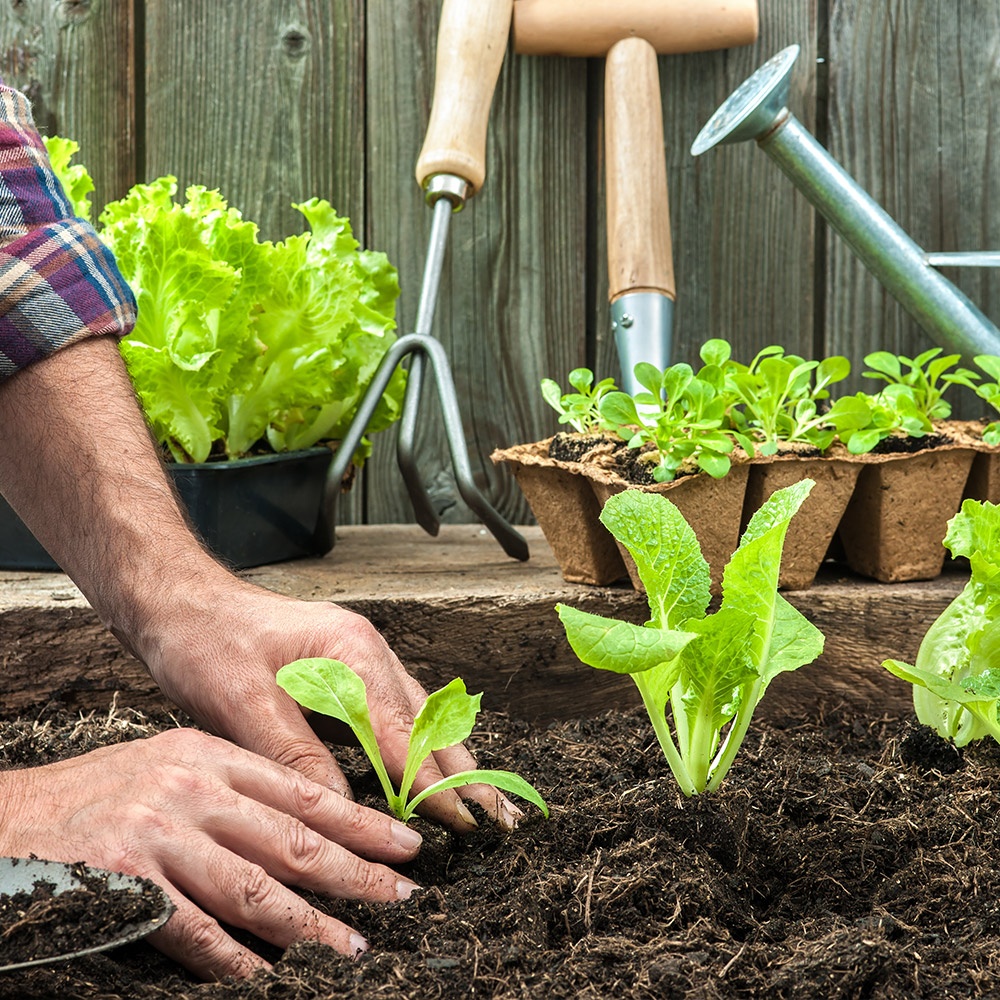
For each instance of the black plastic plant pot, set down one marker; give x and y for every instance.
(249, 512)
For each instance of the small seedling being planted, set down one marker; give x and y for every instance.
(332, 688)
(711, 670)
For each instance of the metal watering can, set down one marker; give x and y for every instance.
(756, 110)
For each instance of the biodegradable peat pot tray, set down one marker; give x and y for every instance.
(894, 525)
(566, 497)
(568, 513)
(249, 511)
(814, 526)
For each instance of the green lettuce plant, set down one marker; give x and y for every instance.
(863, 420)
(925, 377)
(990, 392)
(709, 670)
(242, 343)
(332, 688)
(780, 395)
(956, 676)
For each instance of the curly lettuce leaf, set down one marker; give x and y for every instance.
(241, 340)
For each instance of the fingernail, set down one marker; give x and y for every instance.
(464, 815)
(406, 837)
(358, 944)
(509, 814)
(405, 888)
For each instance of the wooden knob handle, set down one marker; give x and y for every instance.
(640, 257)
(591, 27)
(471, 44)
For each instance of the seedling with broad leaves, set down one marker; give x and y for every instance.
(710, 670)
(332, 688)
(580, 409)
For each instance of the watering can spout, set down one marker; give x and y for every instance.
(757, 110)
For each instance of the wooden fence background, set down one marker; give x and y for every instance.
(273, 101)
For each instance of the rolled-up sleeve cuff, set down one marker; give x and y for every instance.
(59, 283)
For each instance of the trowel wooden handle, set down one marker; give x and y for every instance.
(472, 41)
(640, 257)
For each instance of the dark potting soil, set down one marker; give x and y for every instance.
(831, 864)
(903, 445)
(615, 454)
(41, 924)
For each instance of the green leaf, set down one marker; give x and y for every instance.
(498, 779)
(618, 646)
(666, 553)
(332, 688)
(446, 718)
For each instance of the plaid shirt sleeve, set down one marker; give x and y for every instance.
(58, 282)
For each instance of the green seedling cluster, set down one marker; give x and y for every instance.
(709, 670)
(687, 420)
(956, 676)
(332, 688)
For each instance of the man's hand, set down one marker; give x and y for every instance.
(78, 465)
(215, 650)
(222, 830)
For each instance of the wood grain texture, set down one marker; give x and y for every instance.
(76, 64)
(264, 101)
(914, 105)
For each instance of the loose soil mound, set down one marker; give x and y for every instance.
(838, 861)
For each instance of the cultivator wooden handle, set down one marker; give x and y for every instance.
(638, 225)
(472, 42)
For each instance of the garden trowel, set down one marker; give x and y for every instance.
(21, 875)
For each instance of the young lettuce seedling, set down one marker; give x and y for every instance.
(926, 376)
(711, 670)
(580, 409)
(956, 677)
(990, 392)
(332, 688)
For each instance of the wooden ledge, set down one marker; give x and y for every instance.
(457, 605)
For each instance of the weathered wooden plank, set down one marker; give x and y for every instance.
(743, 245)
(75, 62)
(264, 101)
(914, 101)
(512, 299)
(457, 605)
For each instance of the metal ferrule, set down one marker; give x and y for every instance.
(643, 324)
(757, 110)
(456, 189)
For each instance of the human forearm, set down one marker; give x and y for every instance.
(78, 465)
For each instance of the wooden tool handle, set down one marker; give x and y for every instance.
(591, 27)
(472, 41)
(640, 257)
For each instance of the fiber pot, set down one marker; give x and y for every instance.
(568, 513)
(815, 525)
(894, 525)
(249, 511)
